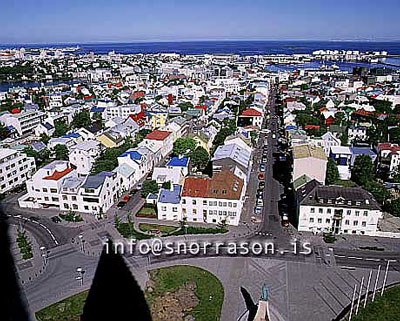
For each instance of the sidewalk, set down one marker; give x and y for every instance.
(30, 269)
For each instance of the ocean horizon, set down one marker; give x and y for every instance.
(240, 47)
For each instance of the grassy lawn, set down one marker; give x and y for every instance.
(127, 230)
(209, 289)
(145, 227)
(147, 211)
(385, 308)
(69, 309)
(24, 245)
(200, 230)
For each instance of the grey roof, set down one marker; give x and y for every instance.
(314, 194)
(233, 151)
(168, 196)
(72, 182)
(125, 170)
(38, 146)
(94, 181)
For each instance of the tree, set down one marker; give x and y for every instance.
(394, 207)
(363, 170)
(332, 172)
(44, 138)
(4, 131)
(185, 106)
(61, 128)
(149, 187)
(61, 152)
(200, 158)
(184, 146)
(81, 119)
(378, 190)
(166, 185)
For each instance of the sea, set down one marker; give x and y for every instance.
(243, 48)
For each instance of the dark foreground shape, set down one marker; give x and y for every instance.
(251, 307)
(115, 294)
(13, 305)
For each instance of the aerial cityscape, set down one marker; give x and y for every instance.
(208, 173)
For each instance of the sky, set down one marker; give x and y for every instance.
(83, 21)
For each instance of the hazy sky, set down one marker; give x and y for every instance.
(41, 21)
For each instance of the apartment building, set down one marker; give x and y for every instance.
(213, 200)
(83, 155)
(309, 160)
(57, 185)
(341, 210)
(15, 169)
(24, 122)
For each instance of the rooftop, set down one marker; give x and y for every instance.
(305, 151)
(176, 161)
(158, 135)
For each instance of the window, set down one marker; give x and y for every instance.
(183, 201)
(327, 221)
(194, 202)
(174, 209)
(44, 190)
(163, 208)
(74, 206)
(348, 212)
(234, 205)
(230, 204)
(329, 211)
(365, 213)
(312, 210)
(219, 203)
(311, 220)
(204, 212)
(355, 223)
(53, 190)
(66, 205)
(364, 224)
(74, 198)
(86, 207)
(346, 222)
(204, 202)
(64, 197)
(357, 213)
(320, 220)
(194, 211)
(320, 210)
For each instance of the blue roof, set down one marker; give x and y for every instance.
(48, 126)
(94, 181)
(363, 151)
(168, 196)
(176, 161)
(71, 135)
(134, 155)
(97, 109)
(10, 128)
(290, 127)
(38, 146)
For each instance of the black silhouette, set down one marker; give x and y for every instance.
(250, 305)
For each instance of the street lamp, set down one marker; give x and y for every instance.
(80, 276)
(80, 236)
(44, 254)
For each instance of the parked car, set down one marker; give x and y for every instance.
(261, 184)
(260, 192)
(56, 219)
(121, 204)
(260, 202)
(258, 210)
(261, 176)
(126, 198)
(262, 167)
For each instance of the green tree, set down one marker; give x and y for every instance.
(61, 152)
(61, 128)
(4, 131)
(363, 170)
(44, 138)
(200, 158)
(81, 119)
(393, 207)
(185, 106)
(378, 190)
(332, 172)
(166, 185)
(149, 187)
(184, 146)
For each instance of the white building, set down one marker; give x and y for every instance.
(309, 160)
(15, 169)
(24, 122)
(83, 156)
(341, 210)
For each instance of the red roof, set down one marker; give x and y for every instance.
(363, 112)
(196, 187)
(15, 111)
(158, 135)
(137, 94)
(57, 175)
(139, 118)
(388, 146)
(312, 126)
(252, 112)
(201, 107)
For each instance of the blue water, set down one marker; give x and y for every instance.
(234, 47)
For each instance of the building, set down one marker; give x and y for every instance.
(160, 143)
(251, 117)
(83, 156)
(311, 161)
(15, 169)
(341, 210)
(24, 122)
(389, 156)
(169, 203)
(342, 156)
(213, 200)
(57, 185)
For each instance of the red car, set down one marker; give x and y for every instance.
(261, 176)
(126, 198)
